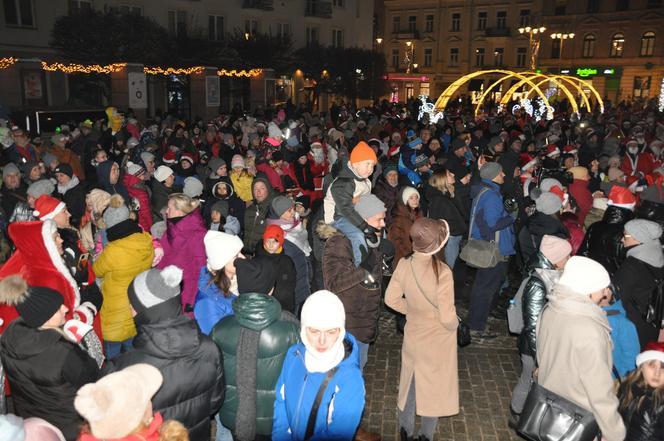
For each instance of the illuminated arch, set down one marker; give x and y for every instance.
(574, 84)
(594, 91)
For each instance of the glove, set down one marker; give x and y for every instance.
(369, 282)
(368, 231)
(85, 312)
(75, 330)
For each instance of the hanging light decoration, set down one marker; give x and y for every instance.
(239, 73)
(80, 68)
(661, 97)
(7, 62)
(173, 70)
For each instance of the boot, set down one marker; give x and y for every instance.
(423, 438)
(403, 436)
(363, 435)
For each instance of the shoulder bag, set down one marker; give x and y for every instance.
(479, 253)
(311, 422)
(463, 331)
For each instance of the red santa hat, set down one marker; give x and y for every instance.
(631, 141)
(47, 207)
(570, 149)
(169, 157)
(188, 157)
(559, 192)
(653, 351)
(552, 150)
(527, 161)
(621, 197)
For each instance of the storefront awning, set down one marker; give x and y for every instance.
(475, 85)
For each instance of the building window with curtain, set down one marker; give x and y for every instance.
(428, 24)
(454, 56)
(501, 19)
(337, 38)
(521, 53)
(177, 23)
(617, 45)
(412, 23)
(456, 22)
(524, 17)
(312, 36)
(479, 57)
(395, 58)
(481, 21)
(215, 27)
(588, 46)
(498, 55)
(428, 56)
(647, 44)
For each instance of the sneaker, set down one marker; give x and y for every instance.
(482, 335)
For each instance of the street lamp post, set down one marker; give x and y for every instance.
(379, 40)
(562, 38)
(410, 54)
(534, 43)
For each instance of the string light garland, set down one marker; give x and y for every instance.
(7, 62)
(80, 68)
(661, 97)
(239, 73)
(173, 70)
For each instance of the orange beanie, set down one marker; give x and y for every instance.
(362, 152)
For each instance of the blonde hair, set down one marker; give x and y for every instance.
(184, 203)
(172, 430)
(438, 180)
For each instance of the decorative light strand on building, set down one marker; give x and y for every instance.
(173, 70)
(7, 62)
(239, 73)
(80, 68)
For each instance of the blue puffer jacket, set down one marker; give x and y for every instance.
(341, 408)
(489, 216)
(211, 305)
(625, 338)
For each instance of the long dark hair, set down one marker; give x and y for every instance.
(221, 280)
(636, 378)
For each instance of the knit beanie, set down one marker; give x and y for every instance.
(48, 159)
(162, 172)
(369, 205)
(214, 165)
(274, 232)
(193, 187)
(548, 203)
(490, 170)
(554, 248)
(154, 286)
(47, 207)
(388, 169)
(237, 161)
(406, 193)
(644, 230)
(11, 428)
(221, 248)
(146, 157)
(362, 152)
(653, 351)
(133, 169)
(220, 207)
(281, 204)
(429, 236)
(41, 187)
(116, 212)
(323, 310)
(420, 160)
(257, 275)
(10, 169)
(115, 405)
(35, 304)
(622, 197)
(584, 276)
(65, 169)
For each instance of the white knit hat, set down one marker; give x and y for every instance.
(323, 310)
(193, 187)
(407, 193)
(221, 248)
(584, 276)
(162, 173)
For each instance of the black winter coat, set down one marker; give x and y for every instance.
(643, 423)
(388, 194)
(635, 281)
(159, 199)
(603, 241)
(284, 289)
(442, 206)
(190, 362)
(535, 227)
(74, 199)
(45, 370)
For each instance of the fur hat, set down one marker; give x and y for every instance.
(47, 207)
(406, 193)
(429, 236)
(114, 406)
(584, 276)
(154, 286)
(221, 248)
(41, 187)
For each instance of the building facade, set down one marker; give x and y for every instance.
(25, 29)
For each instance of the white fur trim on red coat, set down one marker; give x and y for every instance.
(48, 228)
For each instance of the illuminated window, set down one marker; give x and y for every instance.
(617, 45)
(647, 44)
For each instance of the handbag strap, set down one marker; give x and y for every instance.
(472, 216)
(418, 284)
(311, 423)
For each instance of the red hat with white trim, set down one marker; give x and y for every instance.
(169, 157)
(47, 207)
(631, 141)
(621, 197)
(570, 149)
(188, 157)
(528, 161)
(552, 150)
(653, 351)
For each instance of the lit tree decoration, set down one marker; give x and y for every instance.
(427, 108)
(543, 109)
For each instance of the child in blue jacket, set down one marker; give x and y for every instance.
(625, 339)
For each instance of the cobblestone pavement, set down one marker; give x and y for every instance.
(487, 373)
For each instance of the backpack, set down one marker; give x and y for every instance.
(515, 310)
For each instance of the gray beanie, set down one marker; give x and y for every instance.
(281, 204)
(48, 159)
(38, 188)
(193, 187)
(643, 230)
(146, 157)
(10, 169)
(220, 207)
(369, 205)
(548, 203)
(490, 170)
(114, 215)
(214, 165)
(154, 286)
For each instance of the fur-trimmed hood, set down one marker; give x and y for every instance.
(325, 231)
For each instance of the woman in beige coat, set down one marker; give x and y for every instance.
(422, 288)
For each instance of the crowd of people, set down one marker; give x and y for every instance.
(164, 277)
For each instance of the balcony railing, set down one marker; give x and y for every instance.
(497, 32)
(266, 5)
(405, 34)
(317, 8)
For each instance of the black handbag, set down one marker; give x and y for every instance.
(547, 416)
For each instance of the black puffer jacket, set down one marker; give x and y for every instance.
(643, 422)
(603, 241)
(541, 277)
(190, 362)
(442, 206)
(535, 227)
(45, 370)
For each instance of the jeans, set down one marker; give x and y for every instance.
(452, 250)
(485, 288)
(364, 354)
(115, 348)
(355, 236)
(407, 417)
(520, 392)
(223, 434)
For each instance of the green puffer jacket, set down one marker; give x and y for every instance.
(279, 330)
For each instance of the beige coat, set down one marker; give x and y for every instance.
(574, 357)
(429, 352)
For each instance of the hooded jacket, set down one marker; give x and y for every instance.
(104, 181)
(536, 226)
(183, 247)
(256, 215)
(236, 206)
(277, 330)
(190, 362)
(624, 337)
(159, 199)
(339, 197)
(44, 371)
(138, 190)
(603, 241)
(341, 406)
(399, 230)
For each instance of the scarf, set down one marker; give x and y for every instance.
(246, 370)
(73, 182)
(648, 252)
(316, 361)
(566, 301)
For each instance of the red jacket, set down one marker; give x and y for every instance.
(136, 189)
(580, 192)
(645, 163)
